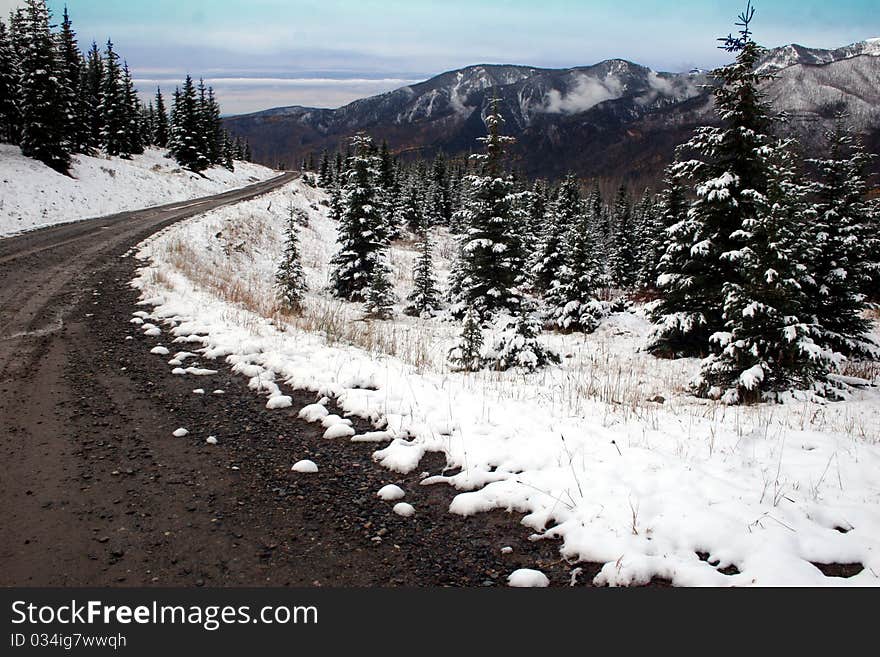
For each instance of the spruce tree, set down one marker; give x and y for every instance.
(466, 356)
(360, 225)
(425, 297)
(325, 176)
(380, 297)
(490, 261)
(622, 261)
(843, 246)
(561, 218)
(518, 344)
(42, 92)
(161, 129)
(729, 172)
(187, 140)
(671, 209)
(766, 346)
(134, 139)
(10, 120)
(290, 279)
(73, 115)
(115, 111)
(93, 97)
(572, 296)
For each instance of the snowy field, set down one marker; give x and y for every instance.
(606, 451)
(32, 195)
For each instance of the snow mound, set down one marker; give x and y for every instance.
(390, 493)
(528, 578)
(404, 509)
(279, 401)
(180, 433)
(339, 431)
(305, 467)
(313, 413)
(159, 351)
(211, 440)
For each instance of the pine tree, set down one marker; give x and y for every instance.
(360, 225)
(187, 140)
(561, 218)
(10, 119)
(572, 296)
(467, 355)
(161, 131)
(671, 210)
(73, 115)
(290, 279)
(325, 176)
(408, 210)
(518, 344)
(425, 297)
(42, 92)
(623, 250)
(766, 346)
(115, 111)
(843, 246)
(538, 208)
(730, 173)
(93, 97)
(380, 295)
(490, 262)
(133, 138)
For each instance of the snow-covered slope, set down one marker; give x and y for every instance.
(606, 452)
(777, 59)
(32, 195)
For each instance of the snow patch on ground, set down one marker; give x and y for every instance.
(305, 467)
(390, 493)
(527, 578)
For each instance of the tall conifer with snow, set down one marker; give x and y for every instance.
(561, 218)
(115, 110)
(490, 261)
(93, 97)
(843, 244)
(186, 141)
(42, 91)
(10, 121)
(766, 346)
(290, 279)
(622, 261)
(75, 116)
(380, 296)
(670, 210)
(424, 300)
(573, 295)
(467, 356)
(360, 224)
(729, 171)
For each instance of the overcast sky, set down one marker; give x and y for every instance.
(325, 53)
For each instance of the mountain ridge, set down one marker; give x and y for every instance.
(625, 117)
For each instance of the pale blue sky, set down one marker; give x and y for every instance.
(327, 52)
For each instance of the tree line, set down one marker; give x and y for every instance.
(57, 101)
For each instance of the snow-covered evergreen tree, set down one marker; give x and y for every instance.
(425, 297)
(841, 235)
(114, 109)
(361, 224)
(161, 130)
(93, 97)
(518, 344)
(380, 296)
(10, 120)
(290, 279)
(622, 261)
(573, 295)
(561, 218)
(730, 173)
(187, 140)
(134, 139)
(766, 346)
(670, 210)
(74, 115)
(42, 92)
(466, 356)
(490, 261)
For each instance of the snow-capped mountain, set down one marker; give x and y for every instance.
(613, 119)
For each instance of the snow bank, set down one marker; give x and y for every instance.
(687, 490)
(32, 195)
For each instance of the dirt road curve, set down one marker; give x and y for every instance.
(94, 489)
